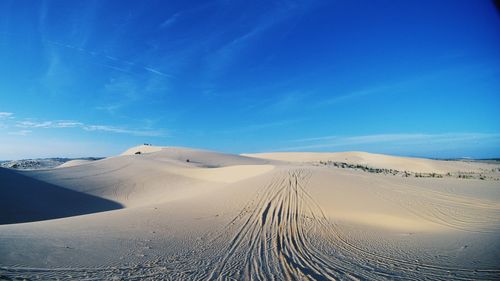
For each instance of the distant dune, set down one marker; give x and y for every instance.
(378, 161)
(72, 163)
(44, 163)
(170, 213)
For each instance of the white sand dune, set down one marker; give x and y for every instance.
(184, 214)
(73, 163)
(165, 175)
(377, 160)
(142, 149)
(228, 174)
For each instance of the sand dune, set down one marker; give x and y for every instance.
(378, 161)
(186, 214)
(73, 163)
(142, 149)
(25, 199)
(165, 175)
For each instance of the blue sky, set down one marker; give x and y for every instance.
(91, 78)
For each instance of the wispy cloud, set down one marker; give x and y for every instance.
(260, 126)
(105, 60)
(110, 108)
(365, 138)
(20, 133)
(87, 127)
(124, 91)
(117, 130)
(287, 102)
(31, 124)
(353, 95)
(4, 115)
(49, 124)
(170, 21)
(157, 72)
(386, 88)
(225, 54)
(113, 67)
(68, 124)
(350, 142)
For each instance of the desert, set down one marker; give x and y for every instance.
(173, 213)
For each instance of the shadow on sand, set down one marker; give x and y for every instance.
(24, 199)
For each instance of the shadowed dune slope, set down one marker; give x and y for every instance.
(25, 199)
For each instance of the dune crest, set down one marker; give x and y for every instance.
(73, 163)
(142, 149)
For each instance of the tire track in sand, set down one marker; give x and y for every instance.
(277, 235)
(272, 243)
(281, 234)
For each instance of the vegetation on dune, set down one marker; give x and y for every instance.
(393, 172)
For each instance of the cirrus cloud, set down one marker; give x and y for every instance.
(4, 115)
(64, 124)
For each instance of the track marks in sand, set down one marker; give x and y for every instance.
(443, 208)
(283, 234)
(272, 242)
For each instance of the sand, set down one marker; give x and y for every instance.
(73, 163)
(379, 161)
(184, 214)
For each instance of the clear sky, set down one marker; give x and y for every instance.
(91, 78)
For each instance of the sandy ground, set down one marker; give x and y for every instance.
(184, 214)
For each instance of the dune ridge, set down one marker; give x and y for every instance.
(412, 164)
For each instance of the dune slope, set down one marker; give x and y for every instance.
(24, 199)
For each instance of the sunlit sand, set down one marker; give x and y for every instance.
(187, 214)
